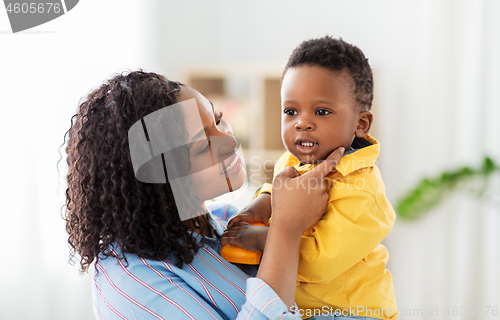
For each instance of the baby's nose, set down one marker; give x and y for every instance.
(304, 123)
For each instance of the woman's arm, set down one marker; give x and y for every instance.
(279, 264)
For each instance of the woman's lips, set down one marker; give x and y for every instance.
(233, 166)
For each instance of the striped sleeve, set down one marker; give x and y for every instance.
(263, 303)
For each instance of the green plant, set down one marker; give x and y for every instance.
(431, 191)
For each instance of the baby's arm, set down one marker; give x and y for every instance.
(246, 236)
(258, 210)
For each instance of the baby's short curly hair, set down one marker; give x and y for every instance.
(337, 55)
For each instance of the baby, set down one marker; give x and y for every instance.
(326, 97)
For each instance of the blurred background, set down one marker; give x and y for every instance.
(436, 110)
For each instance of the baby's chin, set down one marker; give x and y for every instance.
(313, 162)
(309, 160)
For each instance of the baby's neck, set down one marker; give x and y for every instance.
(315, 162)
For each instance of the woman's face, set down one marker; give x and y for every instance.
(215, 167)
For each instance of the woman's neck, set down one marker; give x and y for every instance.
(200, 225)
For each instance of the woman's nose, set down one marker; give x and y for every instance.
(229, 142)
(224, 144)
(227, 145)
(225, 127)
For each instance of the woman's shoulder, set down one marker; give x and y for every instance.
(129, 266)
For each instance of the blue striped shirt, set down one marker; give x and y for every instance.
(207, 288)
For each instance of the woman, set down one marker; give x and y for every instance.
(151, 261)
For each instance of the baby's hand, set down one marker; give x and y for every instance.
(259, 210)
(246, 236)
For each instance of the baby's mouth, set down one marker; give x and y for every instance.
(307, 144)
(306, 147)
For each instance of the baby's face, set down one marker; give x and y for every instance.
(319, 112)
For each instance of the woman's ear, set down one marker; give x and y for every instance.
(363, 123)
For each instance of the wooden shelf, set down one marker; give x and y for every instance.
(249, 96)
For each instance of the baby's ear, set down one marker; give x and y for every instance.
(364, 123)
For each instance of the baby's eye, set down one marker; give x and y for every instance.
(290, 112)
(219, 119)
(322, 112)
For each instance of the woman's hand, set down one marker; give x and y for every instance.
(297, 205)
(258, 210)
(246, 236)
(298, 202)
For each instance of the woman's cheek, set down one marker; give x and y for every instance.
(208, 183)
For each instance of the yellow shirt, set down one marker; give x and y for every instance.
(342, 263)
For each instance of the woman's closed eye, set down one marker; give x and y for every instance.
(290, 112)
(205, 149)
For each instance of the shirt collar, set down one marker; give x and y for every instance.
(216, 228)
(357, 159)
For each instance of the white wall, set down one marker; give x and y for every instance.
(43, 74)
(437, 75)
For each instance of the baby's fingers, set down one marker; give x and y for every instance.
(232, 231)
(240, 217)
(229, 239)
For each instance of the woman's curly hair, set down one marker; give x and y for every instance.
(106, 206)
